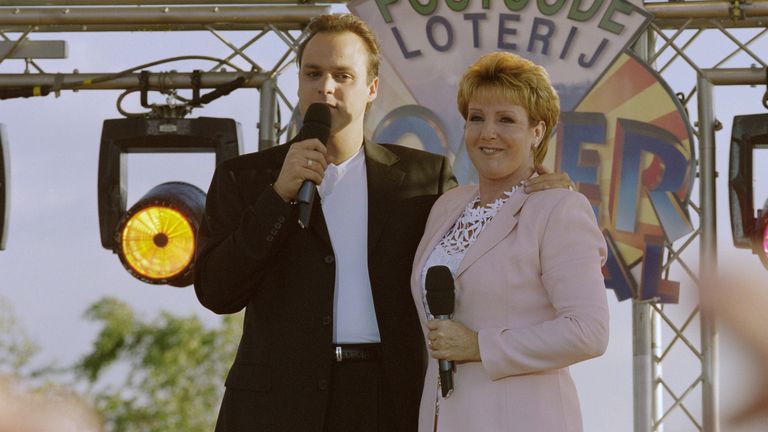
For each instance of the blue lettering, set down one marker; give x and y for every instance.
(574, 130)
(475, 18)
(507, 31)
(617, 274)
(637, 138)
(400, 43)
(431, 23)
(652, 285)
(588, 63)
(549, 29)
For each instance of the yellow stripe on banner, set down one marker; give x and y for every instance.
(36, 91)
(87, 82)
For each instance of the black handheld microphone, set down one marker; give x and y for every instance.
(317, 124)
(440, 299)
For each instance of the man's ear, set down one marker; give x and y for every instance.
(373, 89)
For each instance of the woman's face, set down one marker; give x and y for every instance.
(499, 139)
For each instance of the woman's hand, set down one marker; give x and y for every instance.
(548, 180)
(452, 340)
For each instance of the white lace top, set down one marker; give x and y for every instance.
(451, 249)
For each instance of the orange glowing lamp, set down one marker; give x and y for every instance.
(156, 238)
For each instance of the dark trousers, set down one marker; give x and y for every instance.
(360, 399)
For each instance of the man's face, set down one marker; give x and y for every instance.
(334, 71)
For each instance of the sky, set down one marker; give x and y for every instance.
(54, 267)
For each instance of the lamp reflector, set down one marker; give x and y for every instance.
(156, 238)
(158, 242)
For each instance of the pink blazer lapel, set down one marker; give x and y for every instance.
(440, 224)
(498, 228)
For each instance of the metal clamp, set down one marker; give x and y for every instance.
(735, 10)
(144, 88)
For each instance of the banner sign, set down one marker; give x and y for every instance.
(623, 137)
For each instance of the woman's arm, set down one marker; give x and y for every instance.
(572, 252)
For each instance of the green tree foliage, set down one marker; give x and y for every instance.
(164, 374)
(16, 347)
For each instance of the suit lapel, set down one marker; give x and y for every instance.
(497, 229)
(434, 234)
(317, 221)
(383, 181)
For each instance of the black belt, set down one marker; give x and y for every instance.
(356, 352)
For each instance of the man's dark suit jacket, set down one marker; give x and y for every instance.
(253, 255)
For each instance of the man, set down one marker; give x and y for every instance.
(331, 339)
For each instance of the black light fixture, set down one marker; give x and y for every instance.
(156, 238)
(4, 187)
(750, 230)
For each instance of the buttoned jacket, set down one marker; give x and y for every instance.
(253, 255)
(531, 286)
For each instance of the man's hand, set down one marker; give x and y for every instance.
(305, 161)
(548, 180)
(452, 340)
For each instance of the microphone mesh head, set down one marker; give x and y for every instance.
(440, 290)
(317, 122)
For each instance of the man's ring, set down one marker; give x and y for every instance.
(429, 344)
(309, 162)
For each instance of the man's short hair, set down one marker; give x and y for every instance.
(521, 82)
(339, 23)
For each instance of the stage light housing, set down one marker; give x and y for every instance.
(155, 240)
(5, 175)
(749, 133)
(760, 239)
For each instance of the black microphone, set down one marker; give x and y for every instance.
(317, 124)
(440, 299)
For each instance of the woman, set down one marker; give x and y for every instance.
(530, 297)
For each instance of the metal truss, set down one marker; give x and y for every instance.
(665, 334)
(268, 20)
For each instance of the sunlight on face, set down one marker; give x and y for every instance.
(500, 140)
(334, 71)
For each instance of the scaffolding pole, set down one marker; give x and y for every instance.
(127, 18)
(706, 82)
(27, 3)
(267, 109)
(671, 15)
(112, 81)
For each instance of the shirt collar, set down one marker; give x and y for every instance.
(334, 173)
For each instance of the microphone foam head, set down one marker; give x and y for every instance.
(440, 290)
(317, 122)
(318, 113)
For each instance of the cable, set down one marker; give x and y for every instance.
(31, 91)
(218, 92)
(86, 83)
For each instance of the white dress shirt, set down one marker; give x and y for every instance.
(344, 197)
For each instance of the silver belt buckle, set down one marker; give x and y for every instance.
(338, 354)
